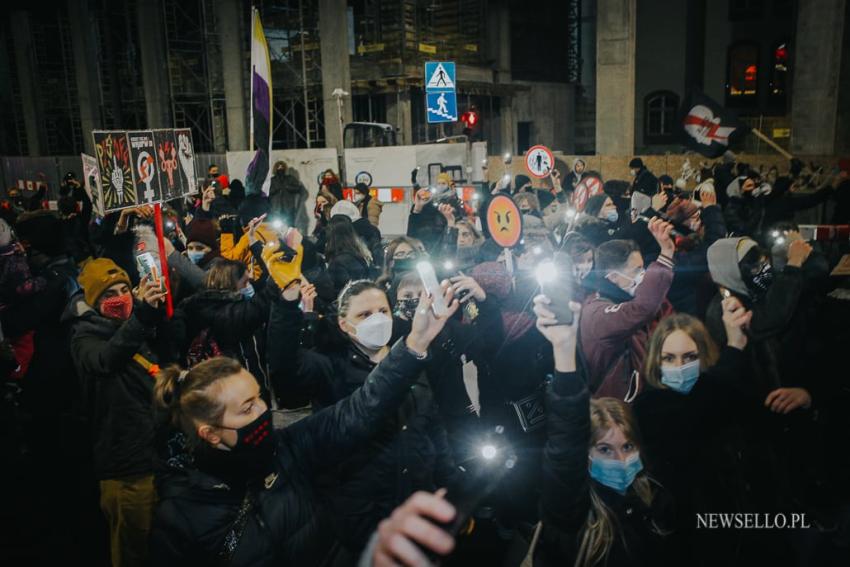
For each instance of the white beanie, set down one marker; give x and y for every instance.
(5, 233)
(346, 208)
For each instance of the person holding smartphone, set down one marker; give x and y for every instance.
(115, 353)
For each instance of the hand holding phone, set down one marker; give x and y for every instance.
(555, 283)
(432, 287)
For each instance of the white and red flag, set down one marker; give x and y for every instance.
(707, 127)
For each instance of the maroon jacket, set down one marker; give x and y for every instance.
(614, 331)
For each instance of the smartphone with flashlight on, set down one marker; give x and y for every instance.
(493, 460)
(432, 286)
(555, 281)
(147, 268)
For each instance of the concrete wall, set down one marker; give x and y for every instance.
(616, 167)
(658, 40)
(550, 108)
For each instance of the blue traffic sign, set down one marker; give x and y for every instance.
(440, 76)
(441, 107)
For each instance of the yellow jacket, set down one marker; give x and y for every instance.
(241, 250)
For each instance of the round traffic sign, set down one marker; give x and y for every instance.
(539, 161)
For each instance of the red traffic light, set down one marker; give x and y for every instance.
(469, 118)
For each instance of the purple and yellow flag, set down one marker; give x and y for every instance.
(257, 177)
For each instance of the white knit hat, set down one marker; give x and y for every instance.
(346, 208)
(5, 233)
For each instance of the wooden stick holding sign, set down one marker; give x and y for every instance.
(759, 134)
(163, 262)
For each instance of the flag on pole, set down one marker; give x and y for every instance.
(257, 177)
(707, 127)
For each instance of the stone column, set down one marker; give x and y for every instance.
(155, 77)
(817, 65)
(336, 69)
(615, 77)
(234, 64)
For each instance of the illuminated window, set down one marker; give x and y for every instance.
(743, 71)
(659, 117)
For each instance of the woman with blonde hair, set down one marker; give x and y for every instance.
(233, 489)
(598, 504)
(696, 397)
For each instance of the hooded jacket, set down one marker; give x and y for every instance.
(285, 518)
(774, 337)
(615, 327)
(119, 388)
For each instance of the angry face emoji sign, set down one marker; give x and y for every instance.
(504, 221)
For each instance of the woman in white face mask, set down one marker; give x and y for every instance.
(696, 398)
(411, 450)
(365, 315)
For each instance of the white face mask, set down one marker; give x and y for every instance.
(359, 197)
(374, 331)
(635, 281)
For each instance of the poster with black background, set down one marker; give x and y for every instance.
(116, 173)
(144, 159)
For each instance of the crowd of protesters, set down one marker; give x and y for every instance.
(312, 400)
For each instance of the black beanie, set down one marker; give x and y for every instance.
(636, 163)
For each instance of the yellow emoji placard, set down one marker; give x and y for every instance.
(504, 221)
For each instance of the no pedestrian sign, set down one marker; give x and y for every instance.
(539, 161)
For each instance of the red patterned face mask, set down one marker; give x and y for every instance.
(118, 307)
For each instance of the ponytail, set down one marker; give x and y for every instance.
(186, 396)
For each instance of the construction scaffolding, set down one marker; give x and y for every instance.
(121, 92)
(57, 85)
(292, 32)
(195, 75)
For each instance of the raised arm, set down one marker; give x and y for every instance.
(337, 431)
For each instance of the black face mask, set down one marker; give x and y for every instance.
(257, 437)
(761, 280)
(406, 308)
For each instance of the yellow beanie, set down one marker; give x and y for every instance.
(98, 275)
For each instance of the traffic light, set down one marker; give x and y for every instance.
(469, 119)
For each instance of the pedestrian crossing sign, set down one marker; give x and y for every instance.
(441, 107)
(440, 76)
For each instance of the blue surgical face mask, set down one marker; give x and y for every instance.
(247, 291)
(680, 378)
(612, 216)
(196, 255)
(614, 473)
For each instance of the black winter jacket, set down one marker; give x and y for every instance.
(121, 389)
(286, 522)
(236, 324)
(695, 444)
(566, 485)
(409, 452)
